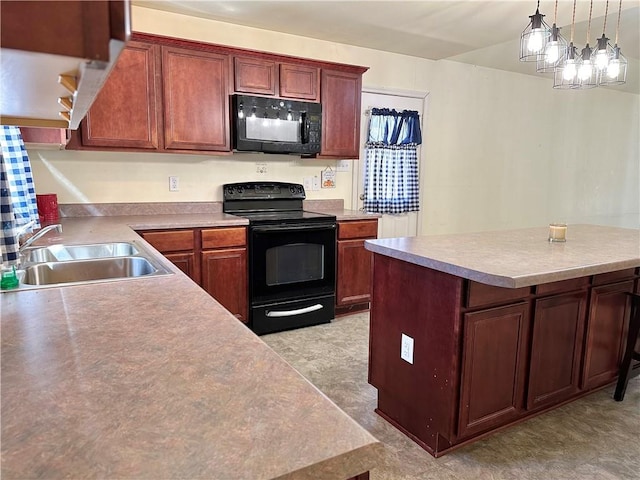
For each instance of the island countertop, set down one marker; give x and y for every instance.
(519, 258)
(152, 378)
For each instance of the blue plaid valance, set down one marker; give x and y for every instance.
(391, 162)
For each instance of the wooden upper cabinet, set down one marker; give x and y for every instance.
(299, 81)
(340, 94)
(254, 75)
(125, 112)
(196, 100)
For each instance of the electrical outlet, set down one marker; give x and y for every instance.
(261, 168)
(406, 349)
(343, 165)
(316, 182)
(174, 184)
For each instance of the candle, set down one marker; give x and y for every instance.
(557, 232)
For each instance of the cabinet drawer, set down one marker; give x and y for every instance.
(224, 237)
(170, 241)
(612, 277)
(359, 229)
(562, 286)
(480, 294)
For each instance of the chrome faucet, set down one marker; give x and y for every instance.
(40, 234)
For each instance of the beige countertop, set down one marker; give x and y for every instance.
(519, 258)
(152, 378)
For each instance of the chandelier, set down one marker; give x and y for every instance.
(603, 65)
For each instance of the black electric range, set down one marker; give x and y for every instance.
(292, 255)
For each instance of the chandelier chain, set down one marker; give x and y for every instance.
(555, 12)
(589, 24)
(618, 25)
(573, 20)
(606, 12)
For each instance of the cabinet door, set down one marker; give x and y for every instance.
(556, 348)
(254, 75)
(606, 333)
(354, 273)
(299, 81)
(224, 277)
(125, 113)
(196, 104)
(340, 97)
(494, 359)
(185, 262)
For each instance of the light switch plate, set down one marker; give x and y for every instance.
(174, 184)
(316, 182)
(307, 182)
(406, 349)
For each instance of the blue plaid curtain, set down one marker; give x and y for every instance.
(18, 207)
(391, 170)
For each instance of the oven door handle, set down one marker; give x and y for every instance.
(289, 228)
(291, 313)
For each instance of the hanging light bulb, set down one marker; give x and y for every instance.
(555, 51)
(565, 74)
(615, 72)
(587, 77)
(240, 111)
(253, 113)
(289, 115)
(534, 38)
(265, 120)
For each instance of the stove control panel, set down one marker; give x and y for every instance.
(263, 191)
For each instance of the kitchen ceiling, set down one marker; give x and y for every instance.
(484, 33)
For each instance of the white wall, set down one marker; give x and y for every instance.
(505, 150)
(501, 149)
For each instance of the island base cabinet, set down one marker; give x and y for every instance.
(606, 333)
(556, 349)
(411, 300)
(485, 357)
(494, 361)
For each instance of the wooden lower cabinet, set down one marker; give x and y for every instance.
(606, 333)
(224, 268)
(556, 348)
(224, 277)
(179, 247)
(184, 261)
(493, 379)
(354, 262)
(483, 359)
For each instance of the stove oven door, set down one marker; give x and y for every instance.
(292, 263)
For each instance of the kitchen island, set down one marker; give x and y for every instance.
(152, 378)
(495, 327)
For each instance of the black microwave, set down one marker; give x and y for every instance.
(276, 125)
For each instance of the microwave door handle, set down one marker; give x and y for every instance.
(304, 129)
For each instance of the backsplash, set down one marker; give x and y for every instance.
(169, 208)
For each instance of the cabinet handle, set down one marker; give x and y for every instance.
(291, 313)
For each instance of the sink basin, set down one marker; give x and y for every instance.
(57, 253)
(53, 273)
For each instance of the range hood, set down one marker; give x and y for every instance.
(55, 57)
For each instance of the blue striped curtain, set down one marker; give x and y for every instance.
(391, 156)
(18, 206)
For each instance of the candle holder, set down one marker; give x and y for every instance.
(557, 232)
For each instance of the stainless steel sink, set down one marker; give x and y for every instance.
(61, 265)
(56, 253)
(53, 273)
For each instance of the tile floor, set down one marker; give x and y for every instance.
(594, 438)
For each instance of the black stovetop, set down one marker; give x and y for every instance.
(272, 203)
